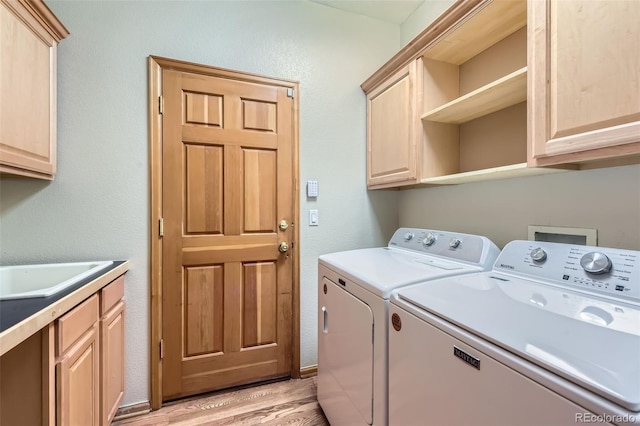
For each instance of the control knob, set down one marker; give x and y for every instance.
(538, 255)
(429, 239)
(595, 263)
(408, 236)
(454, 242)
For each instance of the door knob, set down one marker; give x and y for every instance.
(283, 247)
(283, 225)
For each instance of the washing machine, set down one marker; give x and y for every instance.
(353, 301)
(549, 336)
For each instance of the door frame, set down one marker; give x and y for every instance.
(156, 65)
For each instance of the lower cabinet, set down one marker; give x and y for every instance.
(71, 372)
(90, 359)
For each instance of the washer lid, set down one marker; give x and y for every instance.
(382, 269)
(591, 341)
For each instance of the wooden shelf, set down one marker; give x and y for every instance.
(502, 172)
(502, 93)
(485, 27)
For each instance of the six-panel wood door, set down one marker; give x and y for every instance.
(227, 185)
(584, 90)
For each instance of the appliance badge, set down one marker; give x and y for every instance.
(504, 265)
(471, 360)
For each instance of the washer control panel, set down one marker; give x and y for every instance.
(608, 271)
(451, 245)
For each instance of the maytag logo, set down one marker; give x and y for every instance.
(504, 265)
(471, 360)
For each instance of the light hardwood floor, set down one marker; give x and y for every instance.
(289, 402)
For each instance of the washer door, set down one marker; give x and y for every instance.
(345, 356)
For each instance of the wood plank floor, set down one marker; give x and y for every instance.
(289, 402)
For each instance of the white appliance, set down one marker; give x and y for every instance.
(550, 336)
(353, 301)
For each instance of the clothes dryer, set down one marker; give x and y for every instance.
(353, 301)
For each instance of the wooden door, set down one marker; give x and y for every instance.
(392, 134)
(584, 90)
(227, 185)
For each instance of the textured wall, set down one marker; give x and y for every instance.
(97, 207)
(605, 199)
(421, 18)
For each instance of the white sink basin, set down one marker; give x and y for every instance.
(25, 281)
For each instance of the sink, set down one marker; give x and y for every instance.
(26, 281)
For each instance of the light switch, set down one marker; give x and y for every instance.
(313, 217)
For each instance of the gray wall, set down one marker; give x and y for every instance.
(97, 207)
(605, 199)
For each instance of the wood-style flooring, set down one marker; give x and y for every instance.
(289, 402)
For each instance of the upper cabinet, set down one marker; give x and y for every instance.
(480, 109)
(393, 134)
(584, 89)
(30, 34)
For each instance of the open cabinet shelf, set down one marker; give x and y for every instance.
(500, 172)
(499, 94)
(473, 87)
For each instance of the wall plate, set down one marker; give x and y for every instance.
(558, 234)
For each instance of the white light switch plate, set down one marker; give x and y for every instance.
(313, 217)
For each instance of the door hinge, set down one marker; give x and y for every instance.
(161, 104)
(161, 348)
(161, 227)
(290, 92)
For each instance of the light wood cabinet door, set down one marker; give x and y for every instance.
(30, 34)
(77, 382)
(111, 362)
(393, 135)
(584, 89)
(77, 370)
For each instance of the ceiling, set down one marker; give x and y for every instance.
(394, 11)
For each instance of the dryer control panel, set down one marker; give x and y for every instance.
(473, 249)
(607, 271)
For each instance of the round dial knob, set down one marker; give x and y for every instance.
(595, 263)
(454, 242)
(538, 255)
(408, 236)
(429, 239)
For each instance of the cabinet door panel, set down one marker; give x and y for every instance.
(77, 382)
(30, 34)
(584, 85)
(111, 362)
(391, 132)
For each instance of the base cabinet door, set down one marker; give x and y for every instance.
(111, 362)
(584, 90)
(77, 370)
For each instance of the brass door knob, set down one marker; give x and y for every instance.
(283, 225)
(283, 247)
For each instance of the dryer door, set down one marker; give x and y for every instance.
(345, 356)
